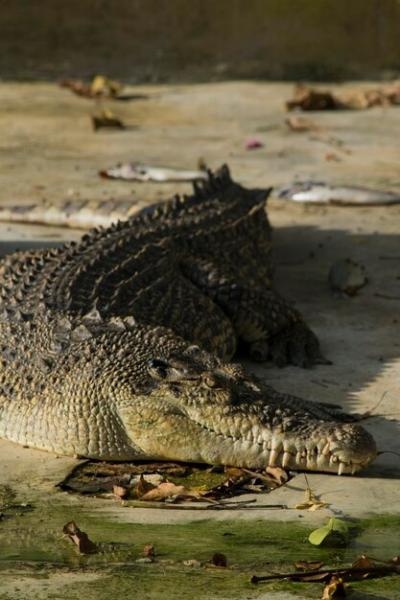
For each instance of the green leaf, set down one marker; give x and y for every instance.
(317, 536)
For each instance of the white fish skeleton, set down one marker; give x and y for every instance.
(323, 193)
(85, 214)
(140, 172)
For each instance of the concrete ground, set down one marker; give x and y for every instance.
(48, 150)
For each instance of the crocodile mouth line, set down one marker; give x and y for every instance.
(314, 458)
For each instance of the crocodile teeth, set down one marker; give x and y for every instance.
(341, 468)
(285, 459)
(273, 456)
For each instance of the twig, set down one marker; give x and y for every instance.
(368, 414)
(220, 506)
(370, 572)
(386, 296)
(389, 257)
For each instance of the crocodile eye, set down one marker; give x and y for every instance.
(210, 381)
(158, 368)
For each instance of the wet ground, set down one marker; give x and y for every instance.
(48, 150)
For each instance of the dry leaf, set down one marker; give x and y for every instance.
(307, 98)
(143, 486)
(80, 538)
(234, 472)
(149, 551)
(278, 474)
(311, 502)
(120, 491)
(106, 118)
(168, 490)
(102, 86)
(331, 156)
(304, 565)
(362, 563)
(300, 124)
(192, 562)
(219, 560)
(334, 589)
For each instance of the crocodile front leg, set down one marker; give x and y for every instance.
(269, 326)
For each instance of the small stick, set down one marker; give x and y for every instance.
(221, 506)
(380, 571)
(386, 296)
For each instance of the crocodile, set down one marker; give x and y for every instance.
(119, 346)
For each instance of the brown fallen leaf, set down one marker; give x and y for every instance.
(306, 98)
(77, 86)
(219, 560)
(192, 562)
(311, 501)
(278, 474)
(149, 551)
(100, 87)
(167, 490)
(334, 589)
(364, 562)
(331, 156)
(143, 486)
(120, 491)
(79, 538)
(234, 472)
(300, 124)
(305, 565)
(106, 118)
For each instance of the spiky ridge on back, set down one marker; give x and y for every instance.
(109, 269)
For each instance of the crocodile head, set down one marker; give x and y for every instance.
(193, 407)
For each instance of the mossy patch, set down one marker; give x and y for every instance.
(32, 546)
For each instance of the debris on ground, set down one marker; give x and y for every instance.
(308, 99)
(304, 565)
(300, 124)
(319, 192)
(156, 483)
(142, 172)
(253, 144)
(79, 538)
(363, 568)
(149, 551)
(331, 156)
(100, 87)
(311, 502)
(335, 588)
(347, 276)
(219, 560)
(168, 491)
(106, 118)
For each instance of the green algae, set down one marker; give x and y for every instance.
(32, 547)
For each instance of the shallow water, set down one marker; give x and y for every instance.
(38, 561)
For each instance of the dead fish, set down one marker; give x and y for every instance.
(141, 172)
(75, 213)
(322, 193)
(347, 277)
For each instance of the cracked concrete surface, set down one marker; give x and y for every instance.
(48, 150)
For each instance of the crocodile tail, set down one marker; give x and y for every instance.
(78, 214)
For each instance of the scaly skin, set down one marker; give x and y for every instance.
(115, 348)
